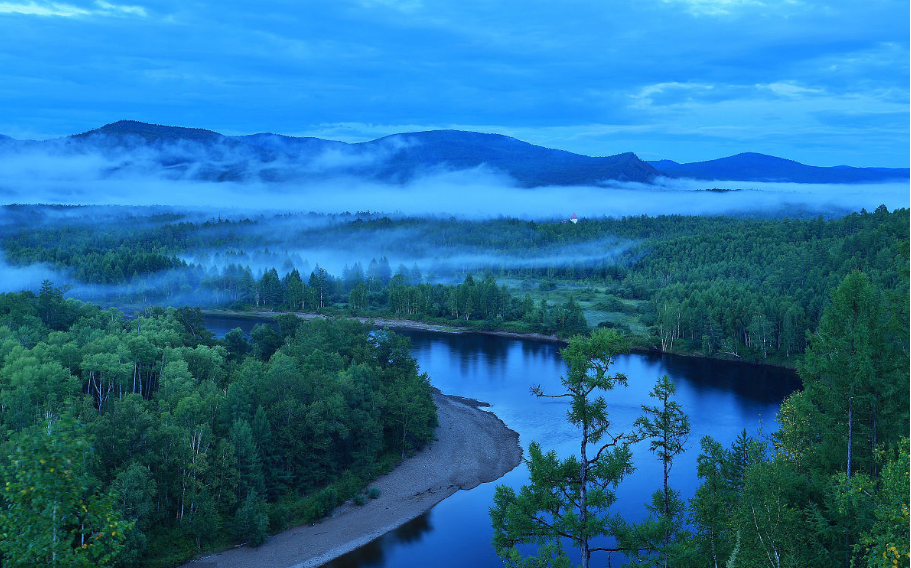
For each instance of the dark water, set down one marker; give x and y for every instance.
(721, 399)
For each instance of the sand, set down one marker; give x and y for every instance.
(472, 447)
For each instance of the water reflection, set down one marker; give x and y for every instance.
(375, 552)
(721, 398)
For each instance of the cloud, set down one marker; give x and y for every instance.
(790, 90)
(43, 9)
(108, 8)
(406, 6)
(58, 9)
(728, 7)
(674, 92)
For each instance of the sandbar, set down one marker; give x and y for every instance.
(473, 446)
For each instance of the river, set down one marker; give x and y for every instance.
(721, 399)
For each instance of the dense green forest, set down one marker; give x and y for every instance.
(748, 288)
(139, 441)
(829, 488)
(125, 439)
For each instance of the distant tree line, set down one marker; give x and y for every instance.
(719, 286)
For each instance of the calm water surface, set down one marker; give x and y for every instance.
(721, 399)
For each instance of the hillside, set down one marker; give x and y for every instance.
(751, 166)
(400, 158)
(174, 152)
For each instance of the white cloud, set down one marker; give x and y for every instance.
(115, 8)
(790, 89)
(57, 9)
(725, 7)
(43, 9)
(645, 96)
(407, 6)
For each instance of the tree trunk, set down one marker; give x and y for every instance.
(584, 552)
(850, 432)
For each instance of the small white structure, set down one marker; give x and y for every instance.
(574, 219)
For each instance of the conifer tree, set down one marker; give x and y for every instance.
(568, 498)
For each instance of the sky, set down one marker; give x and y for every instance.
(823, 83)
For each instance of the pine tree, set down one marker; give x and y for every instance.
(568, 498)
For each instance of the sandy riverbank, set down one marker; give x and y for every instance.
(391, 322)
(473, 447)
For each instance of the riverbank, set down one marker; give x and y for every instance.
(396, 323)
(389, 322)
(472, 447)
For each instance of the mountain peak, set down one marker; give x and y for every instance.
(152, 132)
(752, 166)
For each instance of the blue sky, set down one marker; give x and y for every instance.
(824, 83)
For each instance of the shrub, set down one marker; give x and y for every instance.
(278, 516)
(373, 492)
(324, 501)
(251, 523)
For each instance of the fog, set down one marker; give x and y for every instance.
(437, 263)
(60, 172)
(143, 186)
(465, 194)
(16, 278)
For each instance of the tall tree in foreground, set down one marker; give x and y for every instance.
(661, 539)
(567, 498)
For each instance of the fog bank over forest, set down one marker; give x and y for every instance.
(474, 193)
(229, 175)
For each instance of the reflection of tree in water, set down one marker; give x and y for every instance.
(531, 348)
(749, 382)
(413, 530)
(374, 552)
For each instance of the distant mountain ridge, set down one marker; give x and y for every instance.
(750, 166)
(195, 153)
(398, 158)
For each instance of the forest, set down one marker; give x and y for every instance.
(128, 431)
(140, 441)
(730, 287)
(829, 487)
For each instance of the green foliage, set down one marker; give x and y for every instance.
(722, 287)
(251, 522)
(886, 542)
(835, 489)
(186, 441)
(662, 538)
(53, 512)
(568, 498)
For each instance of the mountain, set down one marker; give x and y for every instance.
(204, 154)
(530, 165)
(751, 166)
(133, 132)
(173, 152)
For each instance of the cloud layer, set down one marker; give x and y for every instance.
(824, 83)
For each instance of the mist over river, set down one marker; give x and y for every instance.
(721, 399)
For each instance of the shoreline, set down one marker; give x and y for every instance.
(388, 322)
(472, 447)
(420, 326)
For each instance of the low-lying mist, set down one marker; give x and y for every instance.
(52, 174)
